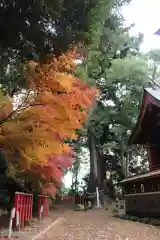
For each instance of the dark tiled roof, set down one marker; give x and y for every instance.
(141, 176)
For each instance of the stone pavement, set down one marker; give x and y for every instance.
(98, 224)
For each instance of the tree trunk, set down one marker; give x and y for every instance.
(76, 179)
(101, 168)
(93, 163)
(123, 161)
(96, 169)
(74, 185)
(128, 158)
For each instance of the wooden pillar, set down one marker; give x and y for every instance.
(149, 153)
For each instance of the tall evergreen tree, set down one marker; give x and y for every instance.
(32, 29)
(120, 72)
(38, 27)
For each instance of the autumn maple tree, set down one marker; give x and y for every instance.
(34, 130)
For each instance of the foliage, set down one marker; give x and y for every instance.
(40, 27)
(35, 29)
(120, 72)
(117, 111)
(33, 133)
(3, 164)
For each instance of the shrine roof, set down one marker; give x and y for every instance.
(141, 176)
(149, 109)
(155, 92)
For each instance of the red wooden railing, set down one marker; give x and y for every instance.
(67, 201)
(43, 206)
(23, 203)
(78, 199)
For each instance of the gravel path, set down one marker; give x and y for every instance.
(98, 225)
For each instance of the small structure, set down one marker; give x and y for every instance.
(142, 192)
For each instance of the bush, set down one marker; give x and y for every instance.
(151, 221)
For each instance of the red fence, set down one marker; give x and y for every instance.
(43, 206)
(67, 201)
(23, 203)
(67, 198)
(78, 199)
(75, 199)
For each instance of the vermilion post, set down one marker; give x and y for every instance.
(22, 209)
(43, 202)
(23, 205)
(29, 202)
(39, 204)
(30, 206)
(46, 200)
(27, 208)
(44, 206)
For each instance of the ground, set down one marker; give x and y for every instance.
(98, 224)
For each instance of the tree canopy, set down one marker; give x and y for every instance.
(34, 133)
(39, 27)
(120, 71)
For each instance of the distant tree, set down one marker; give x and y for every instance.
(120, 72)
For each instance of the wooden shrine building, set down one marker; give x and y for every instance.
(142, 192)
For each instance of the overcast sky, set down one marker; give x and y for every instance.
(146, 16)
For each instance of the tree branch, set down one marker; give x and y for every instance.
(13, 112)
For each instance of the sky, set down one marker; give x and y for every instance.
(145, 14)
(83, 170)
